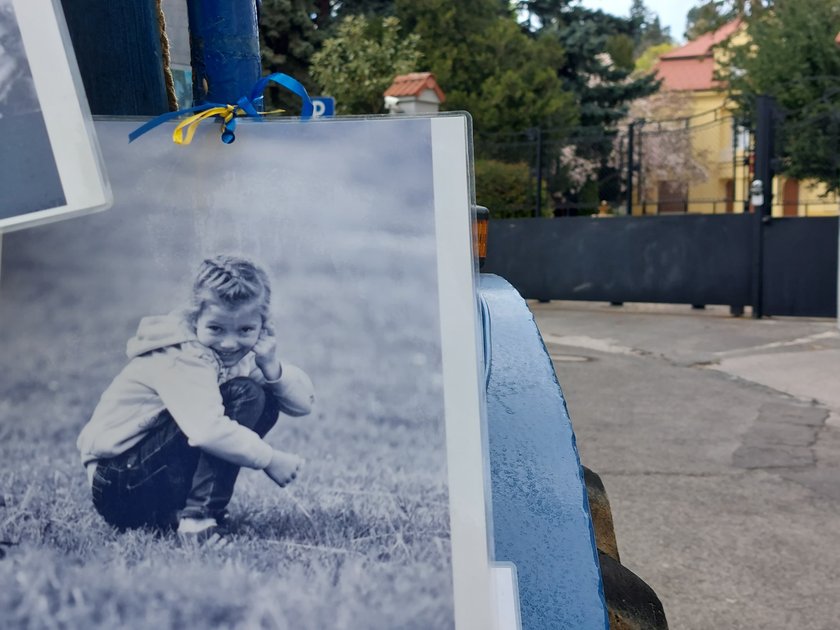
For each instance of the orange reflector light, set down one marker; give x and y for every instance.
(482, 219)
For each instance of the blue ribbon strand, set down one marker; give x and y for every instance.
(246, 106)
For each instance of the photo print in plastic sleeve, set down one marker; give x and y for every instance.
(49, 158)
(249, 394)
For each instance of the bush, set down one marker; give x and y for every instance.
(507, 190)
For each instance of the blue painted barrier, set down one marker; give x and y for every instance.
(117, 47)
(225, 49)
(541, 519)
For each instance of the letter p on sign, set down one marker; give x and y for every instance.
(323, 106)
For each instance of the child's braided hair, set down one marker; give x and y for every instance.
(232, 282)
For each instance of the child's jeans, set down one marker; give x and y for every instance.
(162, 477)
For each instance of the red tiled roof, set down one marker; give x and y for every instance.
(702, 46)
(413, 84)
(691, 67)
(687, 74)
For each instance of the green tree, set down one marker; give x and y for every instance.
(515, 85)
(288, 37)
(647, 29)
(621, 49)
(651, 55)
(707, 17)
(710, 15)
(368, 8)
(447, 31)
(603, 88)
(360, 61)
(543, 13)
(507, 189)
(384, 8)
(791, 56)
(488, 66)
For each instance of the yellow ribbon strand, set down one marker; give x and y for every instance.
(245, 106)
(185, 131)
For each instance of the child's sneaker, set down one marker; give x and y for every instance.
(196, 532)
(223, 521)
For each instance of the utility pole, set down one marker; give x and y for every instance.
(630, 168)
(735, 134)
(640, 183)
(837, 42)
(761, 191)
(538, 204)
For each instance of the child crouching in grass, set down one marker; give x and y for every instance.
(201, 389)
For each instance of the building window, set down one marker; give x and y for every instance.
(742, 138)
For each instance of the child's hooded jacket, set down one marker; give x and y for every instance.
(169, 369)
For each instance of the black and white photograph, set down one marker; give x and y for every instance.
(49, 155)
(29, 177)
(246, 396)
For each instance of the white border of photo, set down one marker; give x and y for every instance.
(66, 114)
(483, 594)
(469, 495)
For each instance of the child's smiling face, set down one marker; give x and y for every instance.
(229, 332)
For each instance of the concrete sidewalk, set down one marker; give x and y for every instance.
(718, 440)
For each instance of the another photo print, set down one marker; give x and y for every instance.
(223, 401)
(29, 178)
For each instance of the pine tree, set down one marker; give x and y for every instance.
(488, 66)
(791, 56)
(289, 37)
(647, 29)
(603, 88)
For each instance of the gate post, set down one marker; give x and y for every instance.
(117, 47)
(224, 49)
(630, 167)
(763, 209)
(535, 134)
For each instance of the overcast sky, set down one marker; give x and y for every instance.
(671, 12)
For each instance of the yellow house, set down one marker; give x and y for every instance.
(716, 140)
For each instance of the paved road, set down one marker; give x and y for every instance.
(718, 440)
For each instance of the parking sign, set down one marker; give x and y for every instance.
(323, 106)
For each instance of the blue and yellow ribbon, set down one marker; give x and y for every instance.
(245, 107)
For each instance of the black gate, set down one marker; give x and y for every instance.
(687, 259)
(799, 275)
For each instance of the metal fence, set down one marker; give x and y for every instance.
(699, 164)
(765, 251)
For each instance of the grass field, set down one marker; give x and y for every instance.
(361, 540)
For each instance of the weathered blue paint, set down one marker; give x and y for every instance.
(117, 47)
(225, 49)
(541, 518)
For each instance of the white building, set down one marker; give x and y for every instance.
(414, 93)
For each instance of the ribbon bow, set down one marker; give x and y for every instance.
(245, 106)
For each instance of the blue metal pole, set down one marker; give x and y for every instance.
(225, 49)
